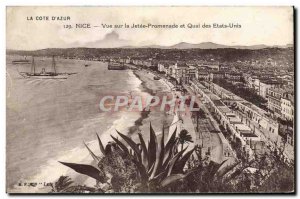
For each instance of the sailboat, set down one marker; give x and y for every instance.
(43, 74)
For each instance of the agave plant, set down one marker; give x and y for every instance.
(157, 163)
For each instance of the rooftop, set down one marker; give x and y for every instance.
(202, 73)
(271, 81)
(218, 103)
(242, 127)
(246, 134)
(217, 73)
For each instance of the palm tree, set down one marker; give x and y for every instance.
(184, 137)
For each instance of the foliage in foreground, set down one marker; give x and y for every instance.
(132, 167)
(64, 184)
(127, 166)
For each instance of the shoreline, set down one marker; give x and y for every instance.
(157, 118)
(145, 114)
(144, 86)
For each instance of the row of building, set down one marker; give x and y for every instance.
(184, 72)
(279, 95)
(240, 133)
(271, 86)
(281, 103)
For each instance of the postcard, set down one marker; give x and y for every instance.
(150, 100)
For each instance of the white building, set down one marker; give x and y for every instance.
(161, 67)
(287, 107)
(261, 86)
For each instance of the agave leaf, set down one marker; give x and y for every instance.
(121, 145)
(179, 166)
(152, 147)
(166, 161)
(150, 170)
(96, 158)
(144, 151)
(173, 161)
(212, 169)
(156, 163)
(160, 153)
(132, 145)
(222, 171)
(157, 179)
(171, 179)
(142, 170)
(169, 156)
(217, 167)
(160, 176)
(171, 141)
(100, 145)
(136, 157)
(162, 146)
(86, 170)
(235, 173)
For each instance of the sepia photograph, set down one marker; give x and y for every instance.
(150, 100)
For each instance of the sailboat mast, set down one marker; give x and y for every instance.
(33, 66)
(53, 65)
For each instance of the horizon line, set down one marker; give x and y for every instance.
(166, 46)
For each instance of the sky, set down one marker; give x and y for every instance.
(259, 25)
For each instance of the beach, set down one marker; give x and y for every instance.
(157, 117)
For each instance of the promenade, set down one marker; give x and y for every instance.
(208, 134)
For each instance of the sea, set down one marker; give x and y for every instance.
(47, 120)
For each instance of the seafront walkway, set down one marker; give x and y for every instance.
(210, 140)
(209, 136)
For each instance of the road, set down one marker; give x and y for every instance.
(210, 141)
(217, 148)
(215, 142)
